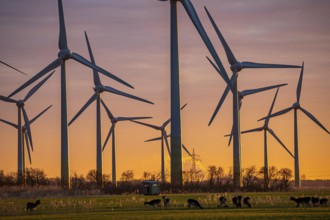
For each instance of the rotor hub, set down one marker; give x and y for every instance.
(64, 54)
(20, 103)
(99, 88)
(296, 105)
(236, 67)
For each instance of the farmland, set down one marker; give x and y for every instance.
(264, 206)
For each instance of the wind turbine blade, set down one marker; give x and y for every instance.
(9, 123)
(6, 99)
(231, 136)
(148, 125)
(41, 113)
(166, 122)
(169, 120)
(12, 67)
(300, 83)
(254, 91)
(85, 62)
(195, 19)
(27, 146)
(252, 130)
(164, 134)
(183, 106)
(36, 87)
(27, 125)
(90, 101)
(154, 139)
(115, 91)
(110, 115)
(56, 63)
(184, 148)
(223, 97)
(62, 42)
(230, 56)
(131, 118)
(96, 76)
(277, 113)
(279, 141)
(108, 136)
(313, 119)
(214, 66)
(264, 65)
(271, 108)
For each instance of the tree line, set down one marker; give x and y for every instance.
(213, 179)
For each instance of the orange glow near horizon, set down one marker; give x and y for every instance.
(131, 40)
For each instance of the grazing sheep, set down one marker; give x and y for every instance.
(153, 203)
(246, 201)
(194, 203)
(301, 201)
(32, 205)
(237, 201)
(315, 201)
(324, 202)
(166, 201)
(222, 201)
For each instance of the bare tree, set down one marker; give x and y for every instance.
(285, 175)
(127, 176)
(35, 176)
(250, 176)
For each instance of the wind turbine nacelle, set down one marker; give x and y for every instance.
(99, 88)
(64, 54)
(20, 103)
(236, 67)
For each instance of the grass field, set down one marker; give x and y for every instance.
(264, 206)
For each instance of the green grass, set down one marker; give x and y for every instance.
(264, 206)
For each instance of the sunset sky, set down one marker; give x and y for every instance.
(131, 39)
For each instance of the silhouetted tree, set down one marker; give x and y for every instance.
(285, 175)
(91, 176)
(35, 176)
(127, 176)
(250, 177)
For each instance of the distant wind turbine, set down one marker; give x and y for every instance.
(20, 106)
(114, 120)
(244, 93)
(25, 138)
(236, 67)
(12, 67)
(163, 138)
(63, 55)
(296, 106)
(176, 161)
(98, 89)
(163, 153)
(265, 128)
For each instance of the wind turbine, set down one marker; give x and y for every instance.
(65, 54)
(20, 107)
(242, 94)
(114, 120)
(162, 138)
(236, 67)
(265, 128)
(25, 138)
(12, 67)
(98, 89)
(296, 106)
(176, 161)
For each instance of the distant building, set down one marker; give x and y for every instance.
(151, 187)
